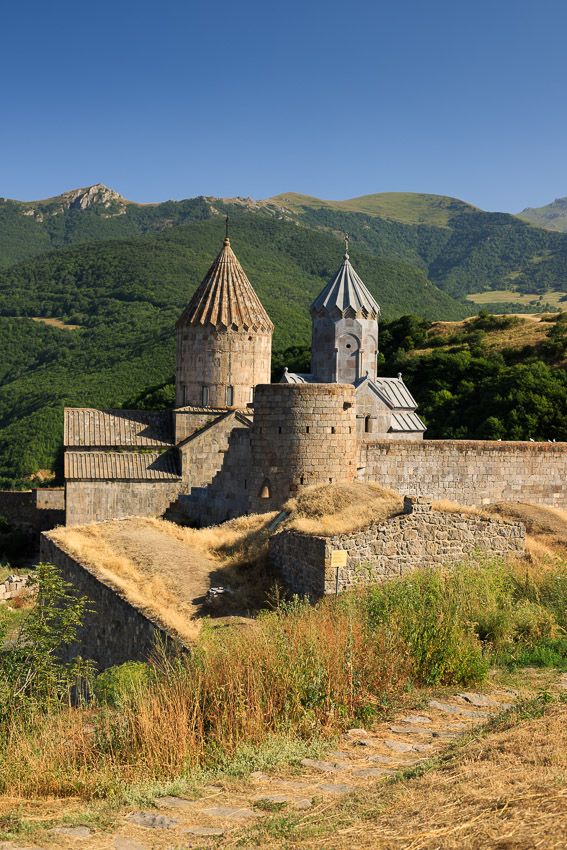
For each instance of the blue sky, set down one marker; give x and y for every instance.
(182, 98)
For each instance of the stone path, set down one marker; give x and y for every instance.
(363, 757)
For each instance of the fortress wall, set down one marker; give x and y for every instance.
(419, 538)
(470, 472)
(115, 631)
(96, 501)
(302, 434)
(36, 510)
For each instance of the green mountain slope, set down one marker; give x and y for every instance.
(462, 249)
(553, 216)
(126, 296)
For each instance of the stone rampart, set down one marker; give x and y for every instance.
(33, 510)
(470, 472)
(96, 501)
(420, 537)
(116, 631)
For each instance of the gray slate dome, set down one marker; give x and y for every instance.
(345, 292)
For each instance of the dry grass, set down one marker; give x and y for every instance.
(337, 508)
(154, 594)
(505, 790)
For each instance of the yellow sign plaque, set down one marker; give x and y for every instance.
(339, 558)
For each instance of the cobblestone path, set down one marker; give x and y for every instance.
(361, 757)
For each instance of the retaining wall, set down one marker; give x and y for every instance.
(470, 472)
(96, 501)
(116, 631)
(420, 537)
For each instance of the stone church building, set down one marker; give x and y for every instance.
(235, 443)
(121, 463)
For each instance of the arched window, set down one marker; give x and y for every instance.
(229, 396)
(367, 425)
(205, 396)
(265, 489)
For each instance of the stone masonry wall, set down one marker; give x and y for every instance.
(470, 472)
(420, 537)
(36, 510)
(96, 501)
(116, 631)
(302, 434)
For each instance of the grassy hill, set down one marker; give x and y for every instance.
(553, 216)
(407, 207)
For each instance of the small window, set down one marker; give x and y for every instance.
(251, 393)
(307, 429)
(301, 480)
(367, 425)
(280, 429)
(332, 429)
(230, 396)
(265, 489)
(185, 395)
(245, 484)
(205, 396)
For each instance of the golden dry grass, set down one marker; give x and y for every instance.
(153, 593)
(336, 508)
(503, 791)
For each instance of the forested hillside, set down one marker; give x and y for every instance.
(460, 248)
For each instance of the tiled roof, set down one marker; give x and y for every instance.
(406, 422)
(346, 290)
(86, 426)
(395, 393)
(226, 297)
(126, 466)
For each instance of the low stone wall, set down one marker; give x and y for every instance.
(33, 510)
(116, 631)
(97, 501)
(14, 586)
(420, 537)
(470, 472)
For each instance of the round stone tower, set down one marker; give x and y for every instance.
(344, 336)
(302, 434)
(224, 339)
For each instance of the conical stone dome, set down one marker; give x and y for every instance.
(224, 339)
(226, 297)
(344, 331)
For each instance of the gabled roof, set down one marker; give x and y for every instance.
(396, 393)
(226, 297)
(346, 291)
(407, 421)
(239, 417)
(125, 466)
(86, 426)
(392, 391)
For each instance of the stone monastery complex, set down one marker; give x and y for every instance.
(236, 444)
